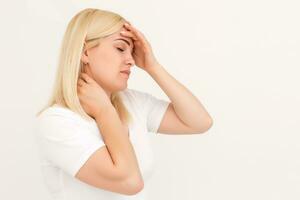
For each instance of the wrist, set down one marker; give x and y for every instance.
(153, 68)
(104, 112)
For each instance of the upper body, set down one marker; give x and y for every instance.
(66, 141)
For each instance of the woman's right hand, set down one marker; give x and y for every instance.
(92, 96)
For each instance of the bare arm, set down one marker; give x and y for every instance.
(186, 113)
(118, 144)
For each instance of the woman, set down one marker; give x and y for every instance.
(92, 134)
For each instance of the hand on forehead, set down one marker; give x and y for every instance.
(123, 37)
(119, 37)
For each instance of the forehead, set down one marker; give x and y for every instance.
(118, 37)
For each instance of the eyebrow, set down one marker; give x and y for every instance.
(124, 41)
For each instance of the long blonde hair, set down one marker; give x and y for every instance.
(90, 26)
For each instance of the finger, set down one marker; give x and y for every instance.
(129, 34)
(86, 78)
(127, 22)
(80, 82)
(81, 78)
(137, 33)
(132, 28)
(78, 90)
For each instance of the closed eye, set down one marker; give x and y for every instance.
(120, 49)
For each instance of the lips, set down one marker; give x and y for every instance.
(126, 71)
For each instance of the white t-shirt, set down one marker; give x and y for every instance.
(66, 141)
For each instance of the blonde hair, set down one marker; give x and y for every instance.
(89, 26)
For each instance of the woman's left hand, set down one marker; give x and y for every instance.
(142, 52)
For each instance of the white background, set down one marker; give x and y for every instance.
(240, 58)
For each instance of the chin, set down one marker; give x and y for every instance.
(120, 87)
(123, 87)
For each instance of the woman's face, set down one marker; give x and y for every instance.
(107, 60)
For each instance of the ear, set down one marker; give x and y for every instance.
(84, 55)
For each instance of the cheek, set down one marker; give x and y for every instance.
(105, 65)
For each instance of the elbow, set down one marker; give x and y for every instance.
(132, 182)
(207, 125)
(135, 185)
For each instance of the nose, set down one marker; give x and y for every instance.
(130, 61)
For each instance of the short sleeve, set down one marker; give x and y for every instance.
(66, 142)
(152, 108)
(155, 110)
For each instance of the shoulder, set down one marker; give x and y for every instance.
(58, 111)
(136, 101)
(134, 94)
(57, 115)
(134, 98)
(59, 123)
